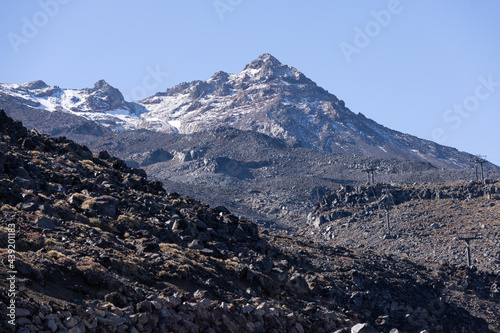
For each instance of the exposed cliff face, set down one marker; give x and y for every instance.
(99, 248)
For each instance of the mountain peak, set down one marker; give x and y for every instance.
(264, 60)
(113, 97)
(38, 84)
(101, 84)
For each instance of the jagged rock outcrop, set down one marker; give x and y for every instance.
(386, 196)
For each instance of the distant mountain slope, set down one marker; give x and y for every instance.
(102, 103)
(251, 173)
(266, 97)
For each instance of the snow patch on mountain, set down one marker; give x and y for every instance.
(102, 103)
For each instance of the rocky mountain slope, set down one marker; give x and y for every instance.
(262, 178)
(254, 175)
(102, 104)
(278, 100)
(426, 221)
(266, 97)
(99, 248)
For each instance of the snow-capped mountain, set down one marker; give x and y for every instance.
(266, 96)
(278, 100)
(251, 100)
(102, 103)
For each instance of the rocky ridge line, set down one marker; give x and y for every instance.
(426, 221)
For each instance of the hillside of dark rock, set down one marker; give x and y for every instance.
(254, 175)
(100, 248)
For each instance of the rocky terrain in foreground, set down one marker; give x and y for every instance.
(99, 248)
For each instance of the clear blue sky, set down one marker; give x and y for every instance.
(428, 68)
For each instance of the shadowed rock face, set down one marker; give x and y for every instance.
(104, 91)
(256, 176)
(39, 84)
(101, 249)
